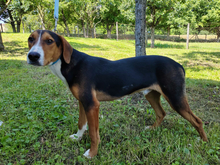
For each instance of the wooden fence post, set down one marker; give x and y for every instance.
(117, 31)
(187, 40)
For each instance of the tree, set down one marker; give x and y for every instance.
(201, 14)
(65, 12)
(79, 14)
(3, 7)
(15, 12)
(45, 10)
(140, 21)
(92, 14)
(112, 12)
(156, 13)
(31, 21)
(211, 20)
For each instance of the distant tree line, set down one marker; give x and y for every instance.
(88, 15)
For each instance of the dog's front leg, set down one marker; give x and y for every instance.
(92, 115)
(82, 124)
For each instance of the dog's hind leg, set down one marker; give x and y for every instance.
(153, 98)
(82, 124)
(182, 107)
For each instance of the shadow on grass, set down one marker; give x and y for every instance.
(14, 48)
(167, 45)
(209, 55)
(202, 82)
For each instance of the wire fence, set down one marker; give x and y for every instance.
(127, 32)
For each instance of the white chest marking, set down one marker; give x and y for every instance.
(56, 69)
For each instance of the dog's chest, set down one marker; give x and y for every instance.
(56, 69)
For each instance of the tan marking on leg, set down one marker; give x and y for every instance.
(75, 91)
(93, 121)
(193, 119)
(154, 99)
(82, 116)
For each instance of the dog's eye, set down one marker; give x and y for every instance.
(30, 39)
(49, 41)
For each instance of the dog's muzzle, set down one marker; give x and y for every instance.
(33, 58)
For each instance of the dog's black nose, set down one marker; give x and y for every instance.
(34, 56)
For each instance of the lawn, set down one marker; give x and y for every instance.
(39, 112)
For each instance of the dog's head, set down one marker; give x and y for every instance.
(46, 47)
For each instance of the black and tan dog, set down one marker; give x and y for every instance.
(93, 79)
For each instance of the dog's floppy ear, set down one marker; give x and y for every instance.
(67, 50)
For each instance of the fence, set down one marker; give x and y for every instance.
(175, 38)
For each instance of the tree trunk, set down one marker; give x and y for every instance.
(23, 26)
(66, 25)
(92, 32)
(2, 28)
(41, 15)
(152, 37)
(13, 27)
(84, 31)
(1, 42)
(87, 30)
(12, 21)
(83, 28)
(146, 35)
(78, 29)
(18, 26)
(30, 28)
(67, 29)
(140, 23)
(168, 33)
(218, 34)
(43, 25)
(109, 30)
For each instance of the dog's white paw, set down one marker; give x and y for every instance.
(147, 127)
(86, 154)
(75, 137)
(78, 136)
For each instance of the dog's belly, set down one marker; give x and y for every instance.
(102, 96)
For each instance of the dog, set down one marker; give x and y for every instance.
(93, 79)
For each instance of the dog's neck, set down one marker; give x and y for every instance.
(56, 70)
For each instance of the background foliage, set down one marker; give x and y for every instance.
(92, 16)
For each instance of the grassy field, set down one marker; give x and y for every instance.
(39, 113)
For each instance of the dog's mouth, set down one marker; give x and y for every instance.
(34, 63)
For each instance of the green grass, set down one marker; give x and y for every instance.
(39, 113)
